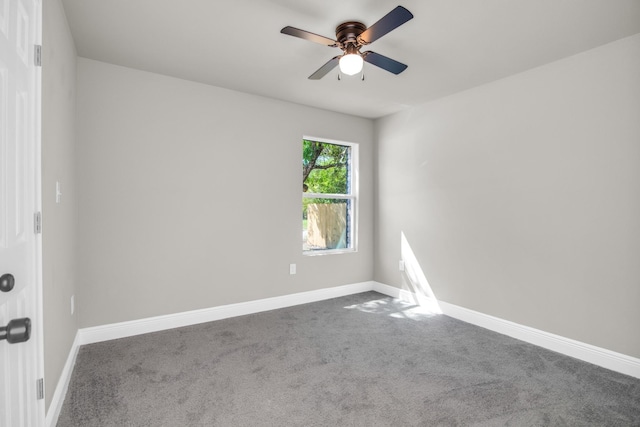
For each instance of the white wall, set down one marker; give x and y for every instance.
(58, 164)
(190, 195)
(520, 198)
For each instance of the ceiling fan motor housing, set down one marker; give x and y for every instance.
(347, 33)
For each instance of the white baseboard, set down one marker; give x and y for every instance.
(598, 356)
(170, 321)
(589, 353)
(63, 385)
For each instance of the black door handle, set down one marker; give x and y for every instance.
(17, 330)
(6, 282)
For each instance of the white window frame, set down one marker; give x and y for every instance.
(353, 197)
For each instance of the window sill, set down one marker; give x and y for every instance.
(329, 252)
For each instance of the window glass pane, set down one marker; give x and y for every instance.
(325, 224)
(325, 168)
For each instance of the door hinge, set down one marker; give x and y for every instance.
(40, 388)
(37, 223)
(37, 55)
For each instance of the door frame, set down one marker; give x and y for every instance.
(38, 323)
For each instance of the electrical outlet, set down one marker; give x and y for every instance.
(73, 304)
(401, 265)
(292, 269)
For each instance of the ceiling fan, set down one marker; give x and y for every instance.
(351, 36)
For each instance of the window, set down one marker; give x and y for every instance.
(328, 196)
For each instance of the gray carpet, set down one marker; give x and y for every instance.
(360, 360)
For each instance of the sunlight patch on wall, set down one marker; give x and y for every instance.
(414, 279)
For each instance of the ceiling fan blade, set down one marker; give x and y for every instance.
(296, 32)
(383, 62)
(322, 71)
(387, 23)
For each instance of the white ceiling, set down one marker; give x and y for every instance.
(450, 45)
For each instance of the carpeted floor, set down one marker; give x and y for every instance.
(360, 360)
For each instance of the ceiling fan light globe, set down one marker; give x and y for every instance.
(351, 64)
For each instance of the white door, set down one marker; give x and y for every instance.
(20, 362)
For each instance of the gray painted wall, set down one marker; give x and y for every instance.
(190, 196)
(59, 231)
(520, 198)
